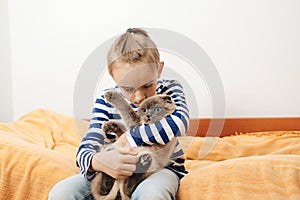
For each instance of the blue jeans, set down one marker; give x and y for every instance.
(161, 185)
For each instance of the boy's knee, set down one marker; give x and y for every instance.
(154, 192)
(56, 193)
(71, 188)
(59, 193)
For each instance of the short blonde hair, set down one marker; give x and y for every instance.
(131, 47)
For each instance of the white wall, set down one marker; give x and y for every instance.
(254, 44)
(6, 109)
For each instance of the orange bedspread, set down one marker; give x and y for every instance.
(36, 151)
(39, 149)
(257, 166)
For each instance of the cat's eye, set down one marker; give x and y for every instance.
(143, 110)
(157, 109)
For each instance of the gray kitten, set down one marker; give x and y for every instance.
(151, 158)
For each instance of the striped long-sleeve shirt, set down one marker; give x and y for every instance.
(160, 132)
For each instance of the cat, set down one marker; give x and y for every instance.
(151, 158)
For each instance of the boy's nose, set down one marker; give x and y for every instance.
(139, 96)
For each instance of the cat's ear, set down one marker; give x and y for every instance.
(167, 99)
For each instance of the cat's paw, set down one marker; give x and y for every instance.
(113, 127)
(143, 163)
(113, 97)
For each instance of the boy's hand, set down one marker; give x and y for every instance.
(118, 162)
(121, 141)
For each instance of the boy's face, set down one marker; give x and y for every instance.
(137, 81)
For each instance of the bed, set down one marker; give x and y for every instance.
(39, 149)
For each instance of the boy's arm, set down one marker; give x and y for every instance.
(171, 126)
(94, 137)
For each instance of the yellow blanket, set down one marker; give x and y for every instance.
(258, 166)
(36, 151)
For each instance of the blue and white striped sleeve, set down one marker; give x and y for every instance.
(171, 126)
(94, 137)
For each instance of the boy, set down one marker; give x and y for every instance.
(134, 64)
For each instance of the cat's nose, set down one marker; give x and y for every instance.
(148, 116)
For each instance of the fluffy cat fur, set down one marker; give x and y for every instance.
(151, 158)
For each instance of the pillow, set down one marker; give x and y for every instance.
(242, 145)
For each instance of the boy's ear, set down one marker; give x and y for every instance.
(160, 68)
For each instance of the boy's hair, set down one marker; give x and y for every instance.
(131, 47)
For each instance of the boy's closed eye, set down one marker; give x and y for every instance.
(127, 89)
(147, 85)
(131, 89)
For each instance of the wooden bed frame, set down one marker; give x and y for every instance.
(231, 126)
